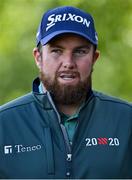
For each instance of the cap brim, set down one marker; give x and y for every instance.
(49, 37)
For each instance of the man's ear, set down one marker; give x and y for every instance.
(96, 56)
(37, 57)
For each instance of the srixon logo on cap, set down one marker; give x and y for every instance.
(53, 19)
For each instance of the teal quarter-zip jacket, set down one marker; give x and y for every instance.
(34, 142)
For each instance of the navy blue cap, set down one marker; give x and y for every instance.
(66, 19)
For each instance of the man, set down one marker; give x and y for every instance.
(64, 129)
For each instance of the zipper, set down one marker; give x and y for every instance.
(66, 139)
(69, 157)
(68, 151)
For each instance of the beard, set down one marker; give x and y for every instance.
(67, 94)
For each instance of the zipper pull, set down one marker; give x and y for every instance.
(69, 157)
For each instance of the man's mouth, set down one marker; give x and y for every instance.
(67, 76)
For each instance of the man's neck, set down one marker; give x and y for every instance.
(68, 109)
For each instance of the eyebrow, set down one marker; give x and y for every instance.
(55, 46)
(83, 46)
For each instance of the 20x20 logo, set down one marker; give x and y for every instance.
(102, 141)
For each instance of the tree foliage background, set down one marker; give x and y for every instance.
(19, 20)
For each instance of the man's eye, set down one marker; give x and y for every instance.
(57, 51)
(80, 52)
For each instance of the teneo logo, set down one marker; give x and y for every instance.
(102, 141)
(8, 149)
(19, 148)
(53, 19)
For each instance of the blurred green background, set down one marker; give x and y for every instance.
(19, 20)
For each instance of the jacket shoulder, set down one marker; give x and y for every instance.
(21, 101)
(111, 99)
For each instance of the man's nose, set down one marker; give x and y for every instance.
(69, 62)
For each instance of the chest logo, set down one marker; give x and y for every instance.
(102, 141)
(19, 148)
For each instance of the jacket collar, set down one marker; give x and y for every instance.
(41, 98)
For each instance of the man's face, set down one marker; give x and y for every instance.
(65, 67)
